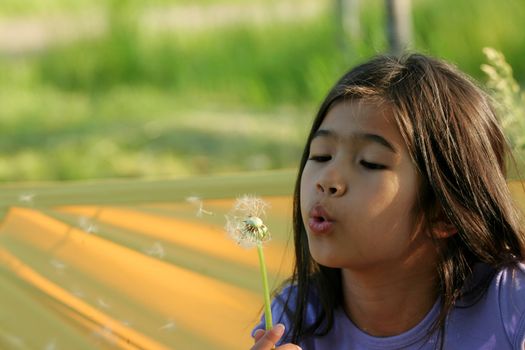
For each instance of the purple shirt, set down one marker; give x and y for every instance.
(494, 321)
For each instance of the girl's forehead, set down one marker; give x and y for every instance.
(360, 120)
(354, 115)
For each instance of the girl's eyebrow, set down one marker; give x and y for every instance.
(359, 136)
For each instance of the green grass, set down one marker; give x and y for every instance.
(116, 136)
(141, 104)
(458, 30)
(46, 7)
(163, 106)
(257, 67)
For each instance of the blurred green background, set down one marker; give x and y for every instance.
(162, 88)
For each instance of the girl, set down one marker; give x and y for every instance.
(406, 236)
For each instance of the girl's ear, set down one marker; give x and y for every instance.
(443, 229)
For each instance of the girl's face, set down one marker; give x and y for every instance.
(358, 191)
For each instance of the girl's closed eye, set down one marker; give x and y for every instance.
(320, 158)
(372, 166)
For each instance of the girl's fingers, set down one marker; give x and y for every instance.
(258, 335)
(269, 338)
(288, 347)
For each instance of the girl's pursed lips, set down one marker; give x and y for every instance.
(320, 222)
(318, 212)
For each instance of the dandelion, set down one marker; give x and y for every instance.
(245, 226)
(244, 223)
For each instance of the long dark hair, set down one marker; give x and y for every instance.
(458, 148)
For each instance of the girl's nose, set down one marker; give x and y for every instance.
(333, 186)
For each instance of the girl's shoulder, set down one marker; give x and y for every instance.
(509, 287)
(498, 311)
(511, 279)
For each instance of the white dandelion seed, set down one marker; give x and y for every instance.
(102, 303)
(58, 265)
(14, 340)
(197, 201)
(27, 198)
(244, 223)
(168, 327)
(78, 293)
(51, 345)
(202, 211)
(193, 199)
(157, 250)
(86, 225)
(105, 333)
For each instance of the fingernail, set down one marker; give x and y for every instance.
(279, 329)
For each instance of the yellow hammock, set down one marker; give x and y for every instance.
(137, 264)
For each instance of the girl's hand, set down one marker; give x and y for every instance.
(266, 340)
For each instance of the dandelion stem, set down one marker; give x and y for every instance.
(266, 290)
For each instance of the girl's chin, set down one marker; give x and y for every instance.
(330, 264)
(325, 259)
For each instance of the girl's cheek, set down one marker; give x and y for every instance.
(307, 183)
(304, 195)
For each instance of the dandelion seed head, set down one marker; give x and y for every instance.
(249, 205)
(244, 223)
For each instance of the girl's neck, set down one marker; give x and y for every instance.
(389, 301)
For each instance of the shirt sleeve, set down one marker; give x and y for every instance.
(512, 305)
